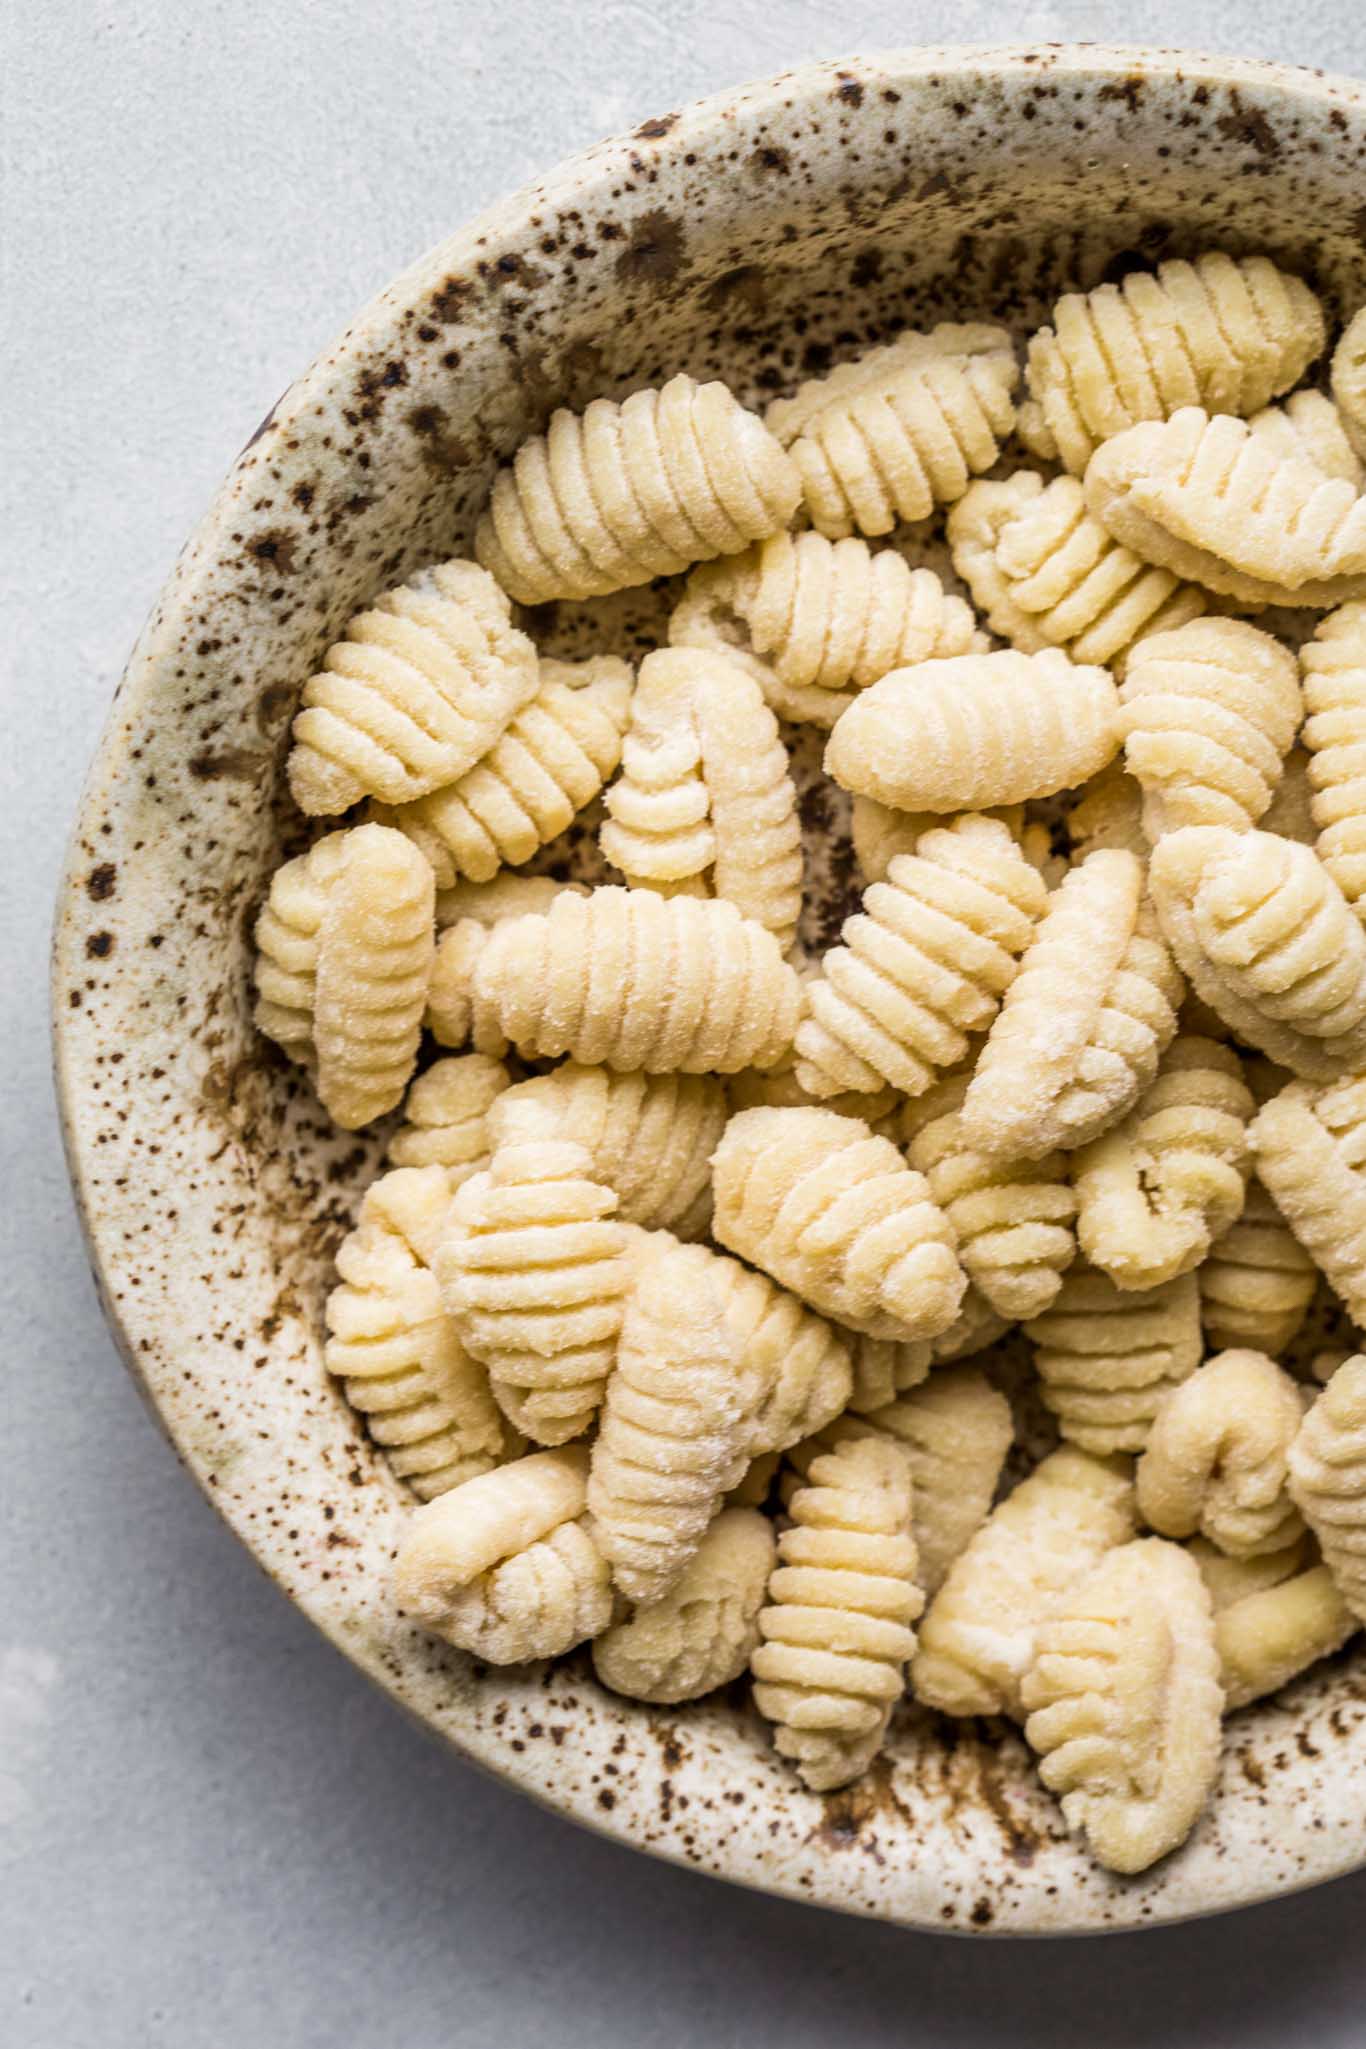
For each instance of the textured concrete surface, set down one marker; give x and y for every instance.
(211, 1831)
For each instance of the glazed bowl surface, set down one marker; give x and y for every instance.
(755, 236)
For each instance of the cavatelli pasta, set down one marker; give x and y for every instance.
(976, 731)
(834, 1213)
(900, 429)
(1108, 1357)
(1333, 666)
(1349, 381)
(1155, 1190)
(1269, 943)
(1044, 573)
(1328, 1479)
(621, 493)
(532, 1267)
(978, 1637)
(425, 1400)
(814, 621)
(551, 760)
(650, 1136)
(1209, 500)
(700, 1634)
(1013, 1219)
(1310, 1147)
(1124, 1704)
(419, 686)
(925, 962)
(1215, 1461)
(836, 1632)
(506, 1566)
(1256, 1281)
(446, 1117)
(1209, 714)
(1226, 334)
(1085, 1021)
(674, 1435)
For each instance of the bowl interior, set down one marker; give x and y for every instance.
(757, 237)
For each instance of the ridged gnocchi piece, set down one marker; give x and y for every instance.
(621, 978)
(879, 833)
(978, 1637)
(1209, 714)
(650, 1136)
(1328, 1479)
(507, 896)
(1084, 1023)
(1224, 333)
(1349, 380)
(1270, 1636)
(922, 964)
(1229, 1580)
(465, 914)
(1311, 428)
(954, 1433)
(1044, 573)
(418, 687)
(551, 760)
(1013, 1218)
(1206, 498)
(883, 1369)
(835, 1214)
(1124, 1704)
(777, 1088)
(900, 429)
(1108, 1357)
(975, 1328)
(975, 731)
(744, 842)
(506, 1566)
(1108, 814)
(622, 493)
(446, 1117)
(675, 1433)
(1269, 943)
(815, 621)
(1310, 1146)
(1155, 1191)
(1257, 1281)
(836, 1632)
(1216, 1458)
(701, 1633)
(425, 1400)
(532, 1268)
(1333, 666)
(344, 962)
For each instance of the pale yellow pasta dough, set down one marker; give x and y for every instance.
(1108, 1357)
(976, 730)
(901, 429)
(1085, 1021)
(777, 1088)
(506, 1565)
(1155, 1190)
(1311, 427)
(1217, 332)
(884, 1369)
(1256, 1282)
(700, 1634)
(1290, 812)
(1109, 814)
(1216, 1457)
(507, 896)
(1269, 1637)
(1230, 1580)
(621, 493)
(418, 688)
(1044, 573)
(552, 759)
(836, 1631)
(833, 1212)
(1124, 1704)
(879, 833)
(1310, 1145)
(814, 621)
(923, 963)
(1209, 714)
(1328, 1479)
(464, 915)
(1268, 941)
(1206, 498)
(752, 1489)
(1013, 1218)
(1349, 380)
(978, 1637)
(446, 1117)
(651, 1136)
(425, 1400)
(1333, 665)
(975, 1328)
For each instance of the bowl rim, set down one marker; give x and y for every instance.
(588, 172)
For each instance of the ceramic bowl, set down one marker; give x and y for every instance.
(749, 237)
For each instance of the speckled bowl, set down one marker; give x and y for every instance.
(746, 237)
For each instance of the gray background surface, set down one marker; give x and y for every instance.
(212, 1831)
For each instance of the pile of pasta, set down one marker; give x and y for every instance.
(679, 1305)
